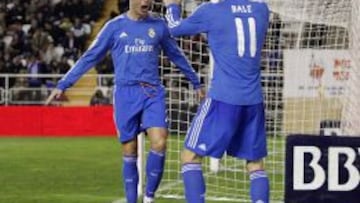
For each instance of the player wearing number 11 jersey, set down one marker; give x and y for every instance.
(231, 118)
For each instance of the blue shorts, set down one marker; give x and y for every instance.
(219, 127)
(137, 108)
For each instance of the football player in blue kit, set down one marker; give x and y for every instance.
(231, 118)
(135, 40)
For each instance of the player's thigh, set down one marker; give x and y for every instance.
(127, 112)
(154, 111)
(249, 141)
(212, 128)
(157, 137)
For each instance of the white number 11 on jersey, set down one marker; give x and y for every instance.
(241, 36)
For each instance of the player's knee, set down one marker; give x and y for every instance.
(129, 148)
(129, 153)
(188, 156)
(255, 165)
(158, 137)
(159, 144)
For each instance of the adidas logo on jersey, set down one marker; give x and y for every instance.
(123, 34)
(202, 147)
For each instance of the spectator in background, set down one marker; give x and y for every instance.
(18, 36)
(36, 67)
(53, 53)
(54, 31)
(17, 65)
(69, 44)
(19, 92)
(80, 32)
(99, 99)
(65, 24)
(40, 40)
(64, 65)
(6, 66)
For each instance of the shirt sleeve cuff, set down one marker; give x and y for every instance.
(62, 86)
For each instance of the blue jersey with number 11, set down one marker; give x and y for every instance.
(236, 31)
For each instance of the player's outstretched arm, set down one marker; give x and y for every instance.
(95, 53)
(91, 57)
(55, 94)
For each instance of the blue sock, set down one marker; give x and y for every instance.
(130, 178)
(154, 170)
(259, 187)
(194, 183)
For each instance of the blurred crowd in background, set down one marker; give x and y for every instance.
(43, 36)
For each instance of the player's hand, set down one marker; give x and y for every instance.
(168, 2)
(201, 93)
(55, 94)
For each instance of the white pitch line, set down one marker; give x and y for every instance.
(166, 186)
(122, 200)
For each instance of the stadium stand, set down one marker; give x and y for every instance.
(42, 37)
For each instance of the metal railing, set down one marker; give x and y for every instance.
(28, 89)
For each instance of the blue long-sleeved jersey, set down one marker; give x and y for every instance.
(236, 31)
(134, 46)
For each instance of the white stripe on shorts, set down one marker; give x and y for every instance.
(199, 123)
(114, 112)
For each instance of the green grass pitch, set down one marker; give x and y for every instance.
(61, 170)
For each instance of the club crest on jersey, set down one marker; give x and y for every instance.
(151, 32)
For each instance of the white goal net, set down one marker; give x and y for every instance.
(310, 78)
(351, 111)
